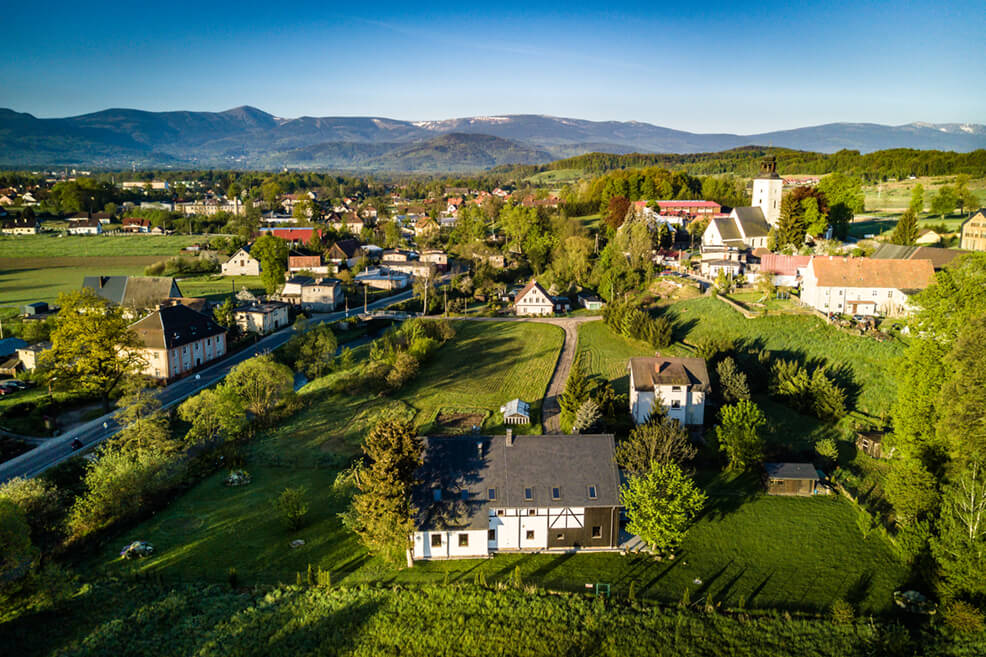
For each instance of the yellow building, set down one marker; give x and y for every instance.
(974, 232)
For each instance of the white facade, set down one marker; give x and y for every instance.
(681, 402)
(868, 301)
(85, 228)
(241, 263)
(767, 196)
(533, 300)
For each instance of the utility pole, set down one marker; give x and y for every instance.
(446, 302)
(364, 299)
(424, 309)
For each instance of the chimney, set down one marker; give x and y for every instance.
(510, 437)
(479, 448)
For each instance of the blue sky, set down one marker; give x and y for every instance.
(718, 67)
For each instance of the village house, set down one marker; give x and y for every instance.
(791, 479)
(415, 268)
(864, 286)
(144, 185)
(262, 318)
(85, 227)
(345, 253)
(680, 209)
(136, 225)
(534, 300)
(425, 226)
(210, 206)
(680, 385)
(21, 226)
(436, 257)
(241, 263)
(744, 228)
(480, 495)
(298, 235)
(178, 340)
(784, 270)
(318, 295)
(298, 262)
(7, 200)
(927, 237)
(390, 256)
(349, 222)
(135, 293)
(30, 354)
(383, 278)
(590, 300)
(973, 232)
(940, 258)
(82, 217)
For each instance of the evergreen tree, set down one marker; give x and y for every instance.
(828, 400)
(906, 230)
(659, 440)
(732, 381)
(578, 389)
(586, 417)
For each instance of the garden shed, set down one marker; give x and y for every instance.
(791, 478)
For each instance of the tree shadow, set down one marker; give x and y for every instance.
(760, 587)
(860, 589)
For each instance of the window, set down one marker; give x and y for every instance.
(875, 292)
(597, 531)
(528, 493)
(555, 493)
(463, 540)
(532, 512)
(436, 494)
(491, 535)
(675, 388)
(436, 540)
(492, 494)
(592, 492)
(529, 535)
(559, 537)
(675, 404)
(890, 294)
(499, 512)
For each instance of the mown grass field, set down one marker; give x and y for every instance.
(156, 621)
(55, 246)
(217, 287)
(884, 223)
(897, 195)
(556, 176)
(790, 336)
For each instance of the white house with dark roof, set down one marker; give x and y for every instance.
(479, 495)
(680, 385)
(177, 340)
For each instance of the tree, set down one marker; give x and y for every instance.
(961, 404)
(292, 505)
(792, 226)
(578, 389)
(404, 369)
(659, 440)
(271, 192)
(739, 434)
(732, 381)
(616, 211)
(911, 490)
(225, 314)
(272, 252)
(381, 512)
(41, 503)
(965, 197)
(262, 383)
(815, 221)
(661, 504)
(906, 230)
(828, 449)
(960, 547)
(144, 425)
(317, 351)
(765, 285)
(944, 201)
(828, 400)
(586, 417)
(724, 282)
(92, 346)
(216, 413)
(917, 199)
(17, 554)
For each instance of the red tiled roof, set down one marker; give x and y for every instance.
(833, 271)
(784, 265)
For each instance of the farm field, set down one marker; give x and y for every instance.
(55, 246)
(24, 280)
(897, 195)
(559, 176)
(155, 621)
(791, 336)
(885, 222)
(217, 287)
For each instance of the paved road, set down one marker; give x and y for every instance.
(550, 409)
(55, 450)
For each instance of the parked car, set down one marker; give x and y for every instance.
(14, 383)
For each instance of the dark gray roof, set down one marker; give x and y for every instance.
(133, 291)
(173, 326)
(752, 222)
(649, 371)
(727, 229)
(938, 256)
(464, 468)
(791, 471)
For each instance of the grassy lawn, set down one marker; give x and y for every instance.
(25, 280)
(897, 195)
(556, 176)
(218, 287)
(885, 223)
(55, 246)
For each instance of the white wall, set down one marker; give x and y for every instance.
(767, 196)
(450, 547)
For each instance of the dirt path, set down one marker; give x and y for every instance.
(550, 409)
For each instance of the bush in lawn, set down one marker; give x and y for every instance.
(41, 503)
(739, 434)
(963, 618)
(732, 381)
(712, 348)
(292, 505)
(828, 401)
(842, 613)
(791, 384)
(911, 489)
(828, 449)
(404, 369)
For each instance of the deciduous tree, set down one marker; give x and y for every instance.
(262, 383)
(660, 440)
(739, 434)
(660, 505)
(272, 252)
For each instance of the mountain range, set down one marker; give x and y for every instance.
(249, 138)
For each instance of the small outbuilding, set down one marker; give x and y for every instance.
(516, 411)
(871, 443)
(791, 479)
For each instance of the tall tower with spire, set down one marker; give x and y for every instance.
(767, 188)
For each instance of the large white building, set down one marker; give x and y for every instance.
(680, 385)
(767, 191)
(864, 286)
(480, 495)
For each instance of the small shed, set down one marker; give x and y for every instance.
(870, 443)
(590, 300)
(36, 308)
(791, 478)
(516, 411)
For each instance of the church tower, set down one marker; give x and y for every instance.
(767, 190)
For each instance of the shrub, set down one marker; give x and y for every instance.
(842, 613)
(293, 506)
(963, 618)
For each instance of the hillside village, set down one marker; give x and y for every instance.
(643, 385)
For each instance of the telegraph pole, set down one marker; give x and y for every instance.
(364, 299)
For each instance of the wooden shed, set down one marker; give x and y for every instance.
(870, 443)
(791, 479)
